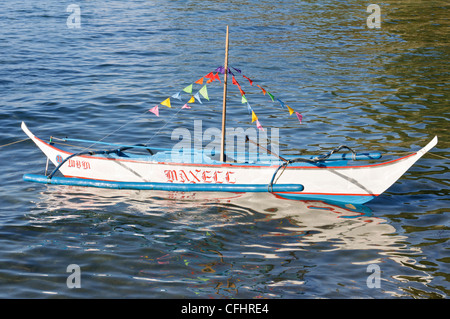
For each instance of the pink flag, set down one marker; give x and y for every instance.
(258, 125)
(155, 110)
(299, 116)
(186, 106)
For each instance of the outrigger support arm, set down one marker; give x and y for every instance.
(284, 165)
(105, 152)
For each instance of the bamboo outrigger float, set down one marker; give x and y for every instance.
(332, 177)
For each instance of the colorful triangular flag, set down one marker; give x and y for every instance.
(186, 106)
(199, 81)
(197, 97)
(188, 89)
(259, 126)
(281, 102)
(210, 76)
(204, 92)
(290, 109)
(244, 99)
(271, 96)
(217, 77)
(264, 91)
(166, 102)
(155, 110)
(250, 81)
(177, 96)
(220, 69)
(249, 108)
(192, 99)
(254, 117)
(299, 116)
(233, 80)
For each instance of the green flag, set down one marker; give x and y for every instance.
(204, 92)
(188, 89)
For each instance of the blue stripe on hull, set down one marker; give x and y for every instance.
(162, 186)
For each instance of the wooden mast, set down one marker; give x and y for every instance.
(224, 105)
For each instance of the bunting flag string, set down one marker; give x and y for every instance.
(264, 91)
(189, 90)
(203, 93)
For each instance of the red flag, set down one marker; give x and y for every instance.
(210, 76)
(216, 76)
(234, 81)
(238, 85)
(250, 81)
(264, 91)
(199, 81)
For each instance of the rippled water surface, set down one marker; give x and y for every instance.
(380, 89)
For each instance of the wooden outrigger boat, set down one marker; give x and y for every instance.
(331, 177)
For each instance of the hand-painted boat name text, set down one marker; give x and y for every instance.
(79, 164)
(199, 176)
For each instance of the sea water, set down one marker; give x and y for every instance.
(93, 69)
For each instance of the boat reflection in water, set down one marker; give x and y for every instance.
(219, 242)
(348, 226)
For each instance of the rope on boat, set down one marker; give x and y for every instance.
(337, 149)
(26, 139)
(315, 161)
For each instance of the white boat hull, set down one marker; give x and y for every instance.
(354, 184)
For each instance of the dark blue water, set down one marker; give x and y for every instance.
(373, 89)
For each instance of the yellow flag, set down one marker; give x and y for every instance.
(254, 117)
(166, 102)
(290, 110)
(192, 100)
